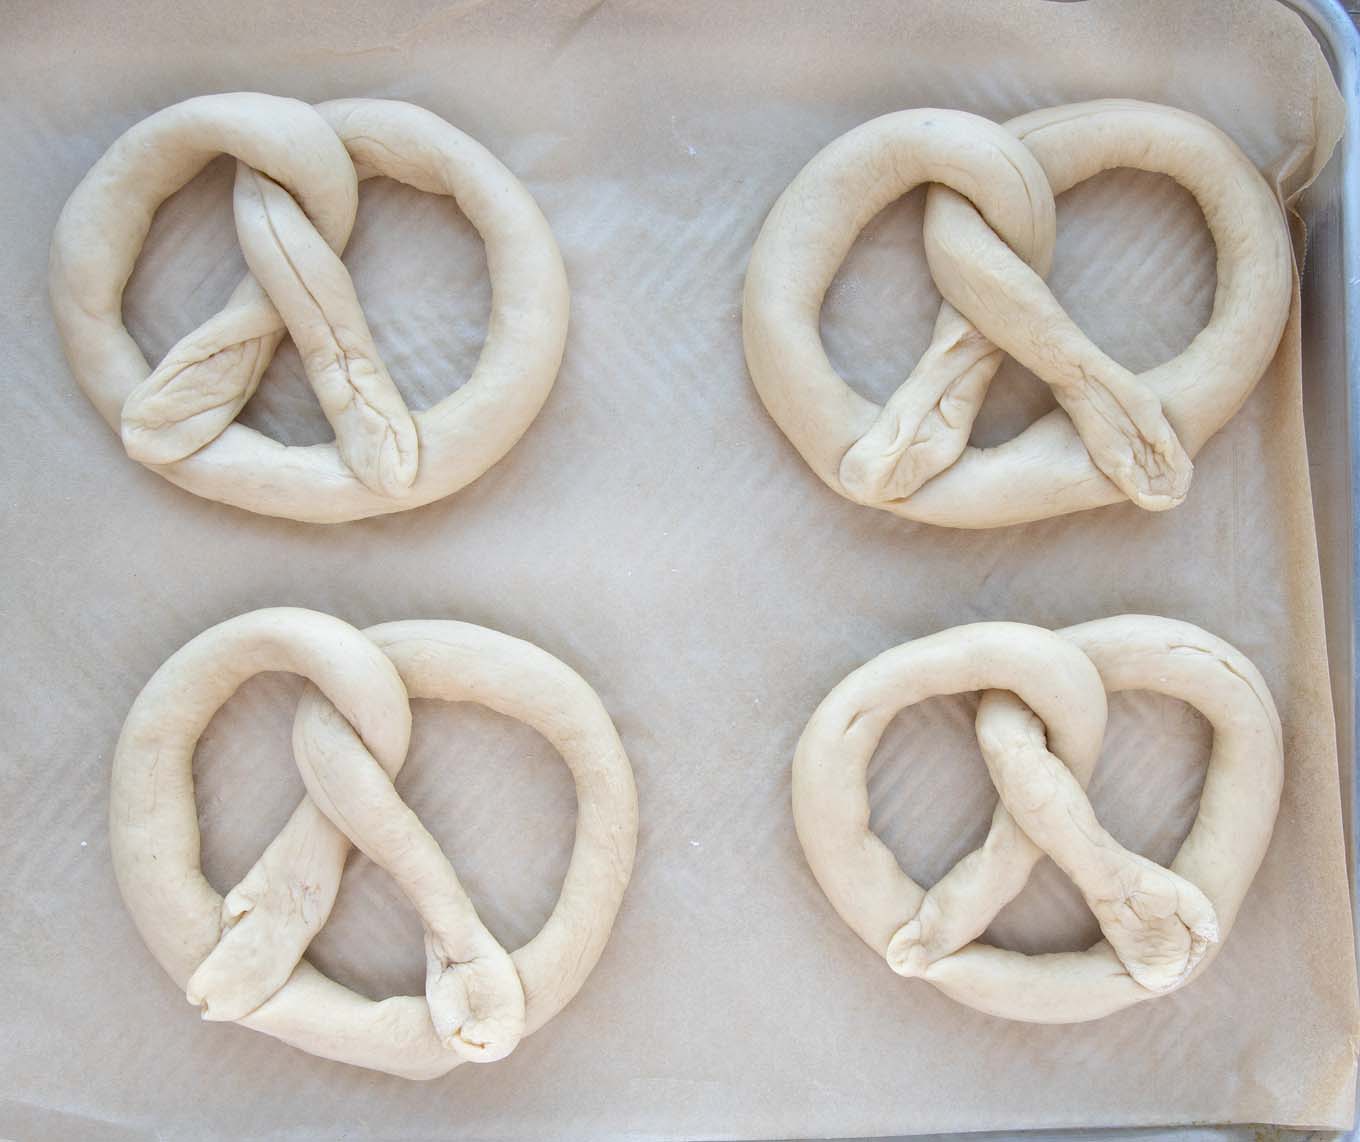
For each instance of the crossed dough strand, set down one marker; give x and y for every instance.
(241, 958)
(1040, 725)
(989, 234)
(295, 198)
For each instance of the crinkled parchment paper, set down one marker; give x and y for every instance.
(657, 532)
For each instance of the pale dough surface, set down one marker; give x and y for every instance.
(989, 234)
(1041, 725)
(240, 958)
(721, 592)
(295, 199)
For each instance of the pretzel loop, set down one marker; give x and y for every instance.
(242, 958)
(989, 230)
(294, 200)
(1040, 725)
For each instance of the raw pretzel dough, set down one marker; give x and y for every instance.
(1040, 726)
(241, 958)
(989, 230)
(296, 194)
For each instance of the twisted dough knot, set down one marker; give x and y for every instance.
(241, 958)
(303, 287)
(296, 193)
(1040, 725)
(989, 236)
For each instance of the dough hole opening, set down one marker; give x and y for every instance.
(1146, 788)
(930, 799)
(245, 782)
(881, 306)
(188, 265)
(1141, 308)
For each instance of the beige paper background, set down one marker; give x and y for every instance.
(654, 530)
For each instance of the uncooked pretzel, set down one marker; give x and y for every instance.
(297, 175)
(242, 958)
(989, 232)
(1040, 726)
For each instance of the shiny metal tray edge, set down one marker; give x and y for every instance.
(1331, 373)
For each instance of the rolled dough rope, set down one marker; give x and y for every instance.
(295, 199)
(1040, 725)
(989, 241)
(241, 958)
(312, 290)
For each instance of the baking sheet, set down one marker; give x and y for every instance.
(655, 531)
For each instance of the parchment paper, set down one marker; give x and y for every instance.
(654, 530)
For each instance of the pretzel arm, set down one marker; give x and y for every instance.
(203, 381)
(924, 426)
(313, 290)
(1158, 923)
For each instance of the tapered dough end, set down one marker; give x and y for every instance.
(239, 974)
(477, 1039)
(1197, 914)
(1161, 929)
(906, 954)
(477, 1007)
(1161, 486)
(183, 406)
(378, 444)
